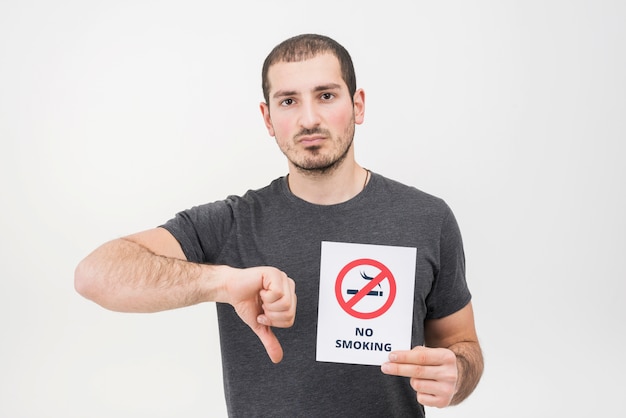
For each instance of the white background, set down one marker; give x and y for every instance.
(116, 114)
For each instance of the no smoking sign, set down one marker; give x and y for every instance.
(365, 288)
(365, 305)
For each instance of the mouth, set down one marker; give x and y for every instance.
(312, 140)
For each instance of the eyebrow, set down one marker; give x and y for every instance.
(323, 87)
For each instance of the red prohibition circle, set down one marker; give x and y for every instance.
(347, 305)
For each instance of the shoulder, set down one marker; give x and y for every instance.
(401, 193)
(261, 197)
(229, 207)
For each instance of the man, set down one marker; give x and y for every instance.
(250, 253)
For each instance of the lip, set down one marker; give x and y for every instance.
(311, 140)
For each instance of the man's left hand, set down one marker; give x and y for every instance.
(433, 373)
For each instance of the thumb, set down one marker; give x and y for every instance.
(270, 342)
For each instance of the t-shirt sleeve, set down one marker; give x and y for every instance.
(202, 230)
(450, 292)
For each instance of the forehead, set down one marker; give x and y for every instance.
(302, 76)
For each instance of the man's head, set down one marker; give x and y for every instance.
(303, 47)
(312, 104)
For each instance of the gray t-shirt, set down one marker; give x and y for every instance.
(273, 227)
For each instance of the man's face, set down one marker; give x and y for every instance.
(311, 114)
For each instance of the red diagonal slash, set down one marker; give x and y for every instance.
(347, 305)
(363, 292)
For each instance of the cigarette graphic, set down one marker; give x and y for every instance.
(372, 293)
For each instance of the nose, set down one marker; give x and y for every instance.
(309, 116)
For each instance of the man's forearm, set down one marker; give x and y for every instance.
(470, 366)
(123, 275)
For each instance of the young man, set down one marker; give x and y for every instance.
(250, 254)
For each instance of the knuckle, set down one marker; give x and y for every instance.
(418, 371)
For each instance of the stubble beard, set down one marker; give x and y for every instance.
(315, 164)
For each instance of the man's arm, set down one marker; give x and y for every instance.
(447, 370)
(144, 272)
(457, 333)
(148, 272)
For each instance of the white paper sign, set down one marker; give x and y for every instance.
(365, 302)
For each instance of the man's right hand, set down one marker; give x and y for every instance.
(148, 272)
(263, 297)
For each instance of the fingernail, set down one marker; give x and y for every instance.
(262, 320)
(385, 367)
(393, 357)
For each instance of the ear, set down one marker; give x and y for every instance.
(359, 106)
(265, 111)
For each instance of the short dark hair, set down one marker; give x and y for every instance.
(306, 46)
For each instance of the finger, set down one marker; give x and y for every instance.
(410, 370)
(272, 301)
(422, 355)
(425, 386)
(430, 400)
(280, 312)
(431, 393)
(425, 381)
(270, 342)
(279, 301)
(281, 319)
(277, 288)
(273, 285)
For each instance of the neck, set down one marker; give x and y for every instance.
(328, 188)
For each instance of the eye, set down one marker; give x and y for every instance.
(327, 96)
(286, 102)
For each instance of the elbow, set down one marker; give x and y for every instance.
(94, 284)
(85, 282)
